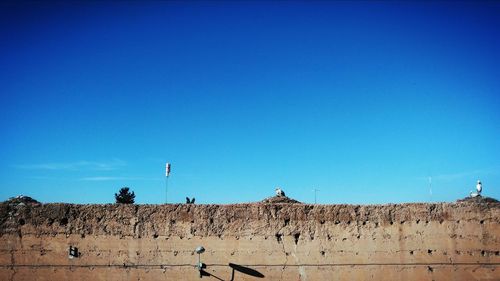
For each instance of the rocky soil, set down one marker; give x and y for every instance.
(272, 215)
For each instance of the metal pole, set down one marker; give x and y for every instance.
(430, 187)
(200, 266)
(166, 189)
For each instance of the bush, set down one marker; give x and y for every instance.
(124, 196)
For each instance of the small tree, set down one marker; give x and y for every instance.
(124, 196)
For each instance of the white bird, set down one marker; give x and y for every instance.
(479, 187)
(279, 192)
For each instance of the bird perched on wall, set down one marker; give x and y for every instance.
(279, 192)
(189, 201)
(479, 187)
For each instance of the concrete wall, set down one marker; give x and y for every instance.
(459, 241)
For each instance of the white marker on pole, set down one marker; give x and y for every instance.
(167, 174)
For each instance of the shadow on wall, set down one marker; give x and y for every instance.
(235, 267)
(244, 270)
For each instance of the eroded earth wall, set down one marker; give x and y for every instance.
(449, 241)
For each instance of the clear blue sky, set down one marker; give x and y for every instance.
(361, 100)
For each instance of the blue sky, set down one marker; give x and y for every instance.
(361, 100)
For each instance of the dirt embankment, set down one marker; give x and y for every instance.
(223, 220)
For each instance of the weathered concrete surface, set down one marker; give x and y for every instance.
(449, 241)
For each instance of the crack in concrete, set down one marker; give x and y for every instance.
(286, 260)
(13, 274)
(302, 273)
(13, 263)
